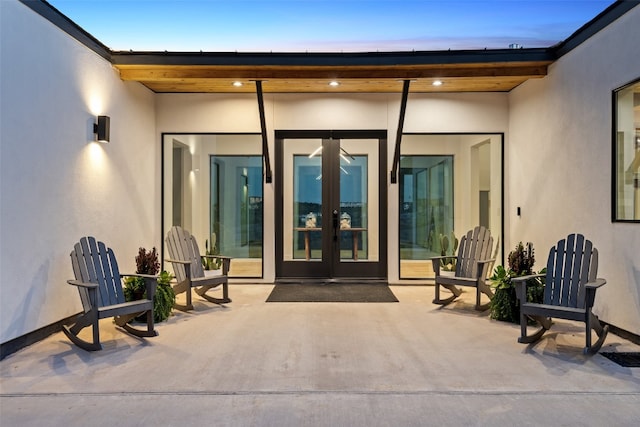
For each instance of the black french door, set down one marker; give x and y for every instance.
(331, 205)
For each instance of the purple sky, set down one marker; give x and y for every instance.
(325, 25)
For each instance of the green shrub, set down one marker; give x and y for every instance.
(164, 299)
(504, 304)
(135, 287)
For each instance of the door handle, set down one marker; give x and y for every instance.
(335, 225)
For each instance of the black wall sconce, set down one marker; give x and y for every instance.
(101, 129)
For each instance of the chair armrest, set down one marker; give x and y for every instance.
(87, 285)
(590, 291)
(481, 266)
(436, 261)
(525, 279)
(178, 261)
(520, 284)
(150, 281)
(144, 276)
(226, 261)
(595, 284)
(216, 256)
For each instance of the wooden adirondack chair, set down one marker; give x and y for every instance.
(185, 257)
(100, 285)
(569, 291)
(472, 265)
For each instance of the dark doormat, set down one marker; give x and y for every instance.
(333, 292)
(628, 360)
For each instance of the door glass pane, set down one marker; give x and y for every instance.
(358, 200)
(302, 192)
(213, 188)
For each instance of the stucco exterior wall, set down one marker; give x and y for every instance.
(57, 186)
(559, 162)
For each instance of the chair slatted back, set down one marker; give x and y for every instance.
(571, 263)
(182, 246)
(93, 262)
(476, 245)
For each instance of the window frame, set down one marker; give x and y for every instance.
(614, 153)
(163, 155)
(501, 200)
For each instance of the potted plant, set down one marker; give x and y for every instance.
(504, 304)
(135, 288)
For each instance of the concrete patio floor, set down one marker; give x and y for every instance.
(253, 363)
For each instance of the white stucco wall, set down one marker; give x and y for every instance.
(559, 162)
(446, 112)
(56, 186)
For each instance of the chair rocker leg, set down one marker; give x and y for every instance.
(202, 291)
(593, 323)
(180, 288)
(123, 322)
(455, 291)
(483, 307)
(87, 319)
(545, 324)
(483, 289)
(183, 307)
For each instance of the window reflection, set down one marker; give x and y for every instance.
(213, 187)
(426, 205)
(627, 153)
(448, 184)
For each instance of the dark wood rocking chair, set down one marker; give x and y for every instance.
(473, 262)
(569, 291)
(100, 285)
(185, 257)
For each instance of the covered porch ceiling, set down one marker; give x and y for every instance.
(459, 71)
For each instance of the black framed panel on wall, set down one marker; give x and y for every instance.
(625, 192)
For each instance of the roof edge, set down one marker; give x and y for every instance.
(601, 21)
(60, 20)
(332, 59)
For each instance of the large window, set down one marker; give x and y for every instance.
(213, 187)
(626, 153)
(236, 205)
(448, 184)
(426, 205)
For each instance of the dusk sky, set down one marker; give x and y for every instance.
(328, 26)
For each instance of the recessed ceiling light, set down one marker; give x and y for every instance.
(237, 84)
(334, 83)
(437, 83)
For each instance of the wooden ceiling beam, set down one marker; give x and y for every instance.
(468, 84)
(185, 73)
